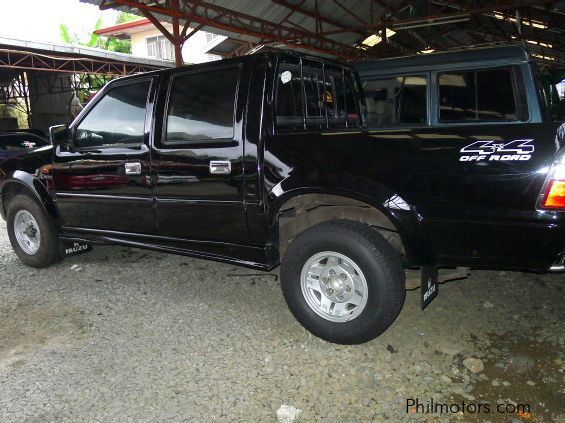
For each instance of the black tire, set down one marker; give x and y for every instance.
(373, 255)
(48, 252)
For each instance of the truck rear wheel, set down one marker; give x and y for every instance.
(32, 234)
(343, 282)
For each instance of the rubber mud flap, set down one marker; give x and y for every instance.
(430, 286)
(73, 248)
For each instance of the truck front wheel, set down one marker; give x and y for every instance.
(343, 282)
(32, 233)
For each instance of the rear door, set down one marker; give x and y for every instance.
(102, 179)
(198, 157)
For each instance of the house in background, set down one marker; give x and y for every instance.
(148, 41)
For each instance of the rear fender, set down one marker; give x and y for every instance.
(397, 210)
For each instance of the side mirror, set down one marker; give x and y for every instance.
(59, 135)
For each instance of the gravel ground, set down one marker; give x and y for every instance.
(134, 335)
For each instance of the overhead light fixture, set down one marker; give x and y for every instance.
(375, 39)
(427, 51)
(541, 56)
(536, 43)
(430, 22)
(529, 22)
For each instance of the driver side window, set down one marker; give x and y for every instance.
(118, 118)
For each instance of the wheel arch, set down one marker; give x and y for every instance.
(24, 183)
(297, 210)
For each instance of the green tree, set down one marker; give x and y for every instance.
(124, 17)
(95, 40)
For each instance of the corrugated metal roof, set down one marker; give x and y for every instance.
(276, 13)
(477, 25)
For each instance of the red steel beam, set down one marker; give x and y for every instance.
(241, 23)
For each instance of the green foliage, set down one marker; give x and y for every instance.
(67, 36)
(126, 17)
(97, 41)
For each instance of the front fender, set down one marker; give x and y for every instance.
(23, 182)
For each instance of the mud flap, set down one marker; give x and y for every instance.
(429, 288)
(73, 248)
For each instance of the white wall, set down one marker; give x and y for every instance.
(192, 51)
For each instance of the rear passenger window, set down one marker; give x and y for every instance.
(352, 104)
(201, 106)
(480, 95)
(311, 95)
(313, 77)
(396, 101)
(289, 97)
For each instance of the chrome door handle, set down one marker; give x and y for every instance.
(133, 168)
(220, 167)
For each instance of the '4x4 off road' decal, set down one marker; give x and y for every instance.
(517, 150)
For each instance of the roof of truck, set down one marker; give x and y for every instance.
(241, 59)
(505, 55)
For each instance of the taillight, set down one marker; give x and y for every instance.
(553, 193)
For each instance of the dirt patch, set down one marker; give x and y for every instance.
(525, 379)
(28, 327)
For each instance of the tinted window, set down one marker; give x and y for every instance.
(289, 97)
(351, 101)
(118, 118)
(201, 106)
(313, 78)
(335, 97)
(398, 100)
(316, 94)
(480, 95)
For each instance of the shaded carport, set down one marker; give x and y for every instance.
(365, 29)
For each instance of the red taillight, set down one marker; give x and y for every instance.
(555, 195)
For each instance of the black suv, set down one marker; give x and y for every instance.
(434, 161)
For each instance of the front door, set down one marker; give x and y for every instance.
(102, 178)
(198, 159)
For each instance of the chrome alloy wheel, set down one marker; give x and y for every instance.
(27, 232)
(334, 286)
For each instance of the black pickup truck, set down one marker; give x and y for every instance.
(344, 176)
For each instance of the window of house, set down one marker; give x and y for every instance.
(160, 47)
(480, 95)
(201, 106)
(396, 101)
(117, 118)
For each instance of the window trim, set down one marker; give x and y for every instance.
(428, 122)
(94, 102)
(216, 142)
(436, 113)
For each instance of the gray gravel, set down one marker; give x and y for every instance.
(136, 335)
